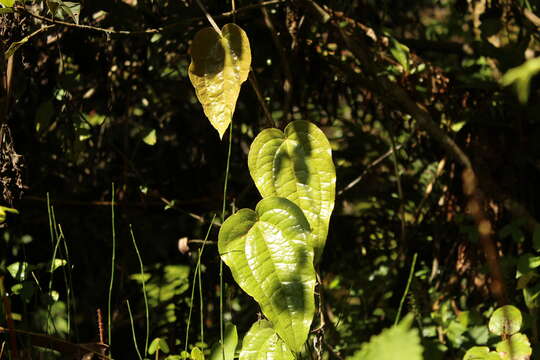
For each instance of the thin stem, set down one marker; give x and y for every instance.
(56, 240)
(50, 219)
(9, 52)
(113, 258)
(201, 302)
(409, 281)
(193, 286)
(220, 259)
(67, 280)
(133, 330)
(209, 17)
(233, 10)
(255, 86)
(147, 312)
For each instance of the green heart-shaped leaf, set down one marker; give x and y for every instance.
(297, 165)
(262, 343)
(506, 320)
(271, 259)
(219, 66)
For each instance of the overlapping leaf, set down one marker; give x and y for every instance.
(262, 343)
(270, 258)
(219, 66)
(297, 164)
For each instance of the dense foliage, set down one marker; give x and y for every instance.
(117, 176)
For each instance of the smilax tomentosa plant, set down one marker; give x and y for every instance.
(272, 250)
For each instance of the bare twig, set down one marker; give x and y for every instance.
(233, 10)
(532, 17)
(209, 17)
(7, 77)
(255, 86)
(9, 320)
(144, 32)
(24, 10)
(288, 81)
(375, 162)
(72, 350)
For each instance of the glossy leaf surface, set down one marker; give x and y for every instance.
(506, 320)
(297, 164)
(219, 66)
(262, 343)
(270, 258)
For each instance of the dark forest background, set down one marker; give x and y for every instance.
(434, 122)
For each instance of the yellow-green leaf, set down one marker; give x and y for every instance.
(517, 347)
(262, 343)
(219, 66)
(270, 258)
(297, 164)
(150, 138)
(7, 3)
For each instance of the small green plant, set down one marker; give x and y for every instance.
(505, 322)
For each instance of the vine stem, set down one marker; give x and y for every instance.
(209, 17)
(147, 312)
(409, 281)
(113, 259)
(223, 208)
(196, 276)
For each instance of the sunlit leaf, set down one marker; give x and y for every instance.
(72, 10)
(219, 66)
(297, 164)
(400, 52)
(158, 344)
(58, 263)
(18, 270)
(150, 138)
(270, 258)
(521, 77)
(481, 353)
(230, 340)
(399, 342)
(25, 289)
(262, 343)
(6, 210)
(7, 3)
(506, 320)
(516, 347)
(197, 354)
